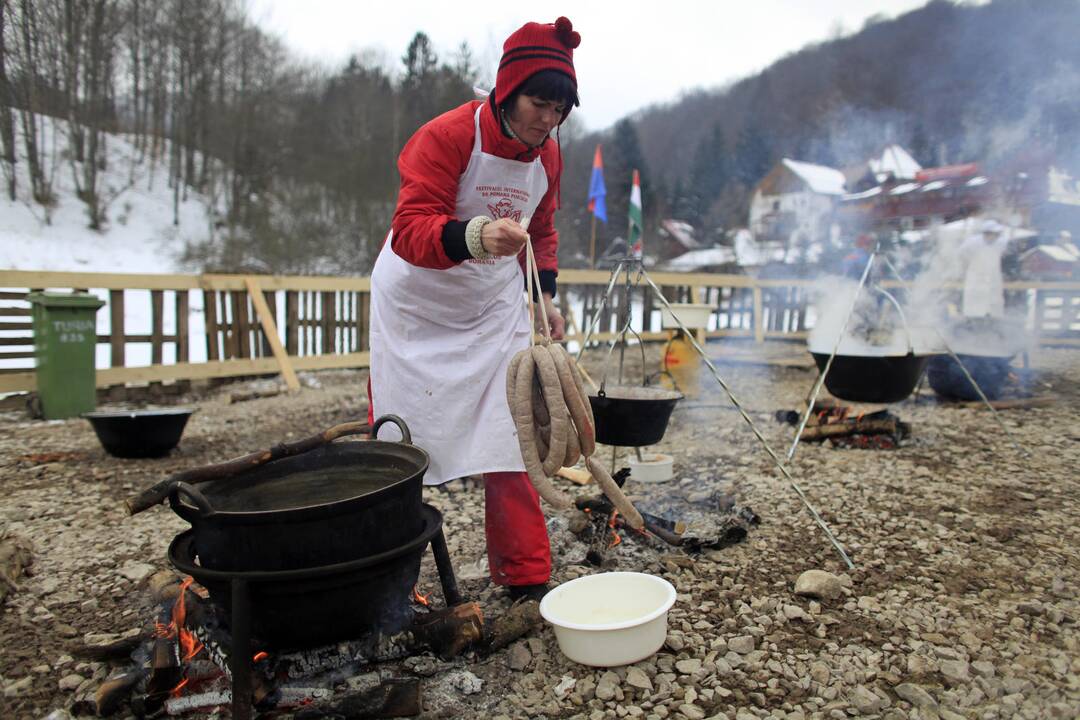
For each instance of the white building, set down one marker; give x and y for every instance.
(793, 205)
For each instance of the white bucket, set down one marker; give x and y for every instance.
(652, 467)
(694, 316)
(609, 619)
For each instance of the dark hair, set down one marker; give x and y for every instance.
(550, 85)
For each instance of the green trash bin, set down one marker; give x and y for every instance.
(65, 334)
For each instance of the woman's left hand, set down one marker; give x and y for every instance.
(554, 317)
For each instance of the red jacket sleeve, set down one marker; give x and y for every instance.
(430, 167)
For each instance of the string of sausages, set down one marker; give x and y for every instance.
(553, 416)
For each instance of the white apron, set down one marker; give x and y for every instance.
(441, 340)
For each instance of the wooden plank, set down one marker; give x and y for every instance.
(237, 340)
(8, 295)
(210, 314)
(271, 305)
(157, 320)
(20, 381)
(270, 332)
(363, 317)
(292, 322)
(329, 320)
(26, 340)
(117, 343)
(15, 326)
(14, 312)
(19, 355)
(183, 311)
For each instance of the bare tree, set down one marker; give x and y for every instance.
(7, 101)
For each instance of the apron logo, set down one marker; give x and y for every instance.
(504, 209)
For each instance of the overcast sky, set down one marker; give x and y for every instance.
(631, 54)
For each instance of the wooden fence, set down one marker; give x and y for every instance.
(256, 325)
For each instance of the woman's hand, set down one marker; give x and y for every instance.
(503, 237)
(555, 318)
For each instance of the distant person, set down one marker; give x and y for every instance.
(854, 263)
(447, 308)
(984, 285)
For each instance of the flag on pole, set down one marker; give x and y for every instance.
(636, 225)
(597, 193)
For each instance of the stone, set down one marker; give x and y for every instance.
(137, 571)
(955, 671)
(692, 712)
(636, 677)
(983, 668)
(465, 682)
(688, 667)
(607, 685)
(566, 684)
(818, 584)
(743, 644)
(71, 682)
(819, 671)
(519, 656)
(915, 695)
(865, 700)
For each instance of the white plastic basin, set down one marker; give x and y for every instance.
(694, 316)
(609, 619)
(652, 467)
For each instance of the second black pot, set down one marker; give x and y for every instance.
(872, 378)
(632, 415)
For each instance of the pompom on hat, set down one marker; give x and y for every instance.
(532, 48)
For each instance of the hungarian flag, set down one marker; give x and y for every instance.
(597, 193)
(636, 225)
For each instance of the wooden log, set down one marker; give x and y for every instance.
(238, 397)
(888, 426)
(1012, 403)
(160, 492)
(110, 647)
(270, 334)
(449, 631)
(516, 622)
(393, 698)
(575, 475)
(114, 692)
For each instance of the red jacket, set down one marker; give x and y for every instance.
(430, 166)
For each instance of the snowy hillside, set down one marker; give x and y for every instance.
(139, 236)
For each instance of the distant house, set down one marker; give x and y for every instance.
(894, 165)
(676, 237)
(792, 206)
(1051, 262)
(714, 259)
(932, 197)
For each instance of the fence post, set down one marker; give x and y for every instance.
(759, 316)
(116, 328)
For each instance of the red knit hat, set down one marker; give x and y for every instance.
(534, 47)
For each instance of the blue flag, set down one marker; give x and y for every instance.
(597, 193)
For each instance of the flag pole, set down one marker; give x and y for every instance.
(592, 243)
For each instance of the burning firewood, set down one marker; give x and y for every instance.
(112, 693)
(889, 426)
(391, 699)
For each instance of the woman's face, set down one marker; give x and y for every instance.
(532, 119)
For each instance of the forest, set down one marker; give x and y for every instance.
(297, 161)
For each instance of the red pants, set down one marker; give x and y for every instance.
(518, 549)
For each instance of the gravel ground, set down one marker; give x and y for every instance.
(963, 602)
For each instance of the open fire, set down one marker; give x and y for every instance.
(848, 427)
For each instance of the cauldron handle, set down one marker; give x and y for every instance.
(406, 436)
(196, 497)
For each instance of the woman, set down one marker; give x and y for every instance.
(447, 305)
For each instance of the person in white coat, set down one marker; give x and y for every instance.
(984, 285)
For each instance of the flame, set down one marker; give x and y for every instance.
(259, 656)
(859, 418)
(422, 599)
(615, 539)
(189, 645)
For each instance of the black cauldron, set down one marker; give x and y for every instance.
(319, 605)
(872, 378)
(948, 379)
(632, 415)
(139, 433)
(334, 504)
